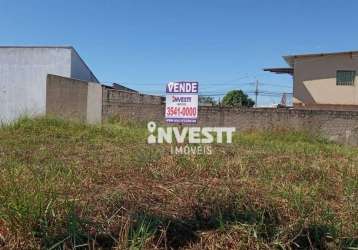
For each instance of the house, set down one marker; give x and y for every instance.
(23, 74)
(323, 81)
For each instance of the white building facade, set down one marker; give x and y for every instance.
(23, 73)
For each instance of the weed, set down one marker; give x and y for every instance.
(66, 184)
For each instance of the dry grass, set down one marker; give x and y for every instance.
(65, 185)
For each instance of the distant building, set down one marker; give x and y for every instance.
(23, 73)
(326, 80)
(123, 88)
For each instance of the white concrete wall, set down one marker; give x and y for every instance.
(23, 73)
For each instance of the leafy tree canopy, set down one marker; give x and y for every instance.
(237, 98)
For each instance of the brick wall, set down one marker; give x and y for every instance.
(340, 126)
(130, 105)
(90, 102)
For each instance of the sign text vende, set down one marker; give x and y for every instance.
(182, 87)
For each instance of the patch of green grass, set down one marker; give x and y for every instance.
(67, 184)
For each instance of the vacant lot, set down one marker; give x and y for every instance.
(66, 185)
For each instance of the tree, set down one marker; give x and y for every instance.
(207, 100)
(237, 98)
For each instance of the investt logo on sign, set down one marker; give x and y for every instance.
(197, 140)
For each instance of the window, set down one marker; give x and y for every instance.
(345, 77)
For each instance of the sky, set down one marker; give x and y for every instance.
(223, 44)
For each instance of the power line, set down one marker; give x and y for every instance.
(276, 85)
(164, 84)
(259, 93)
(256, 92)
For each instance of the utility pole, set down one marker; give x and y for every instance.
(284, 100)
(256, 92)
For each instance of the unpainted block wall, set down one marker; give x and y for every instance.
(114, 96)
(66, 98)
(73, 99)
(339, 126)
(70, 98)
(130, 105)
